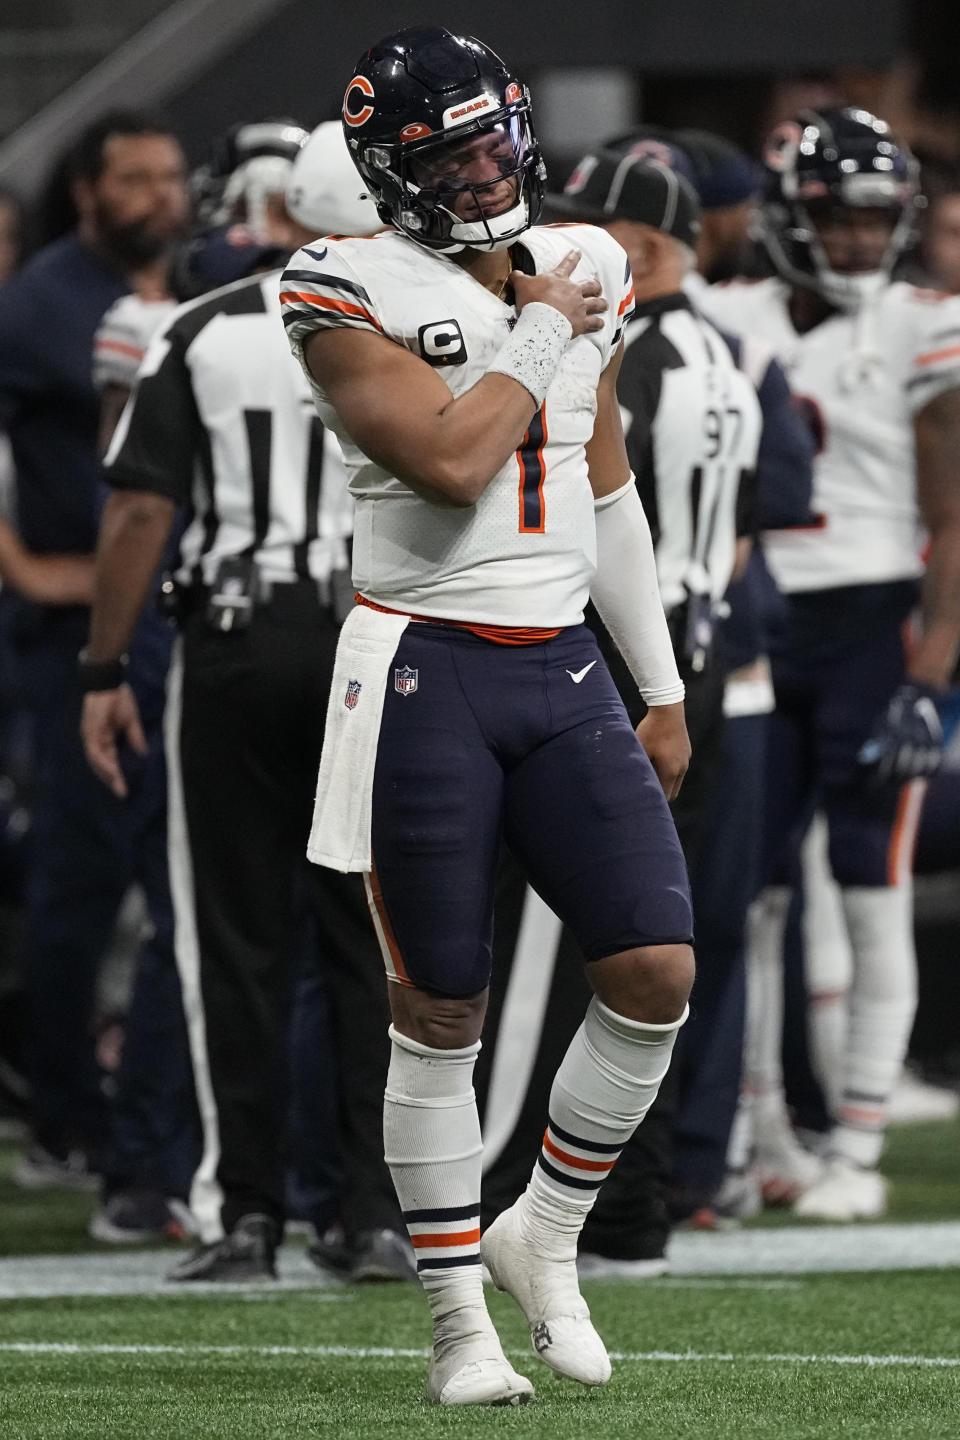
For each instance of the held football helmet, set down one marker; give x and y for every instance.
(822, 160)
(442, 135)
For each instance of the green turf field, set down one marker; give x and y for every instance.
(830, 1356)
(817, 1358)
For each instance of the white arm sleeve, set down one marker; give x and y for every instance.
(627, 596)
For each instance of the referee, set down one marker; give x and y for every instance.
(221, 420)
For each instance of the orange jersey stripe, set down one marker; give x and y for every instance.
(456, 1237)
(627, 300)
(500, 634)
(933, 356)
(136, 351)
(345, 307)
(599, 1166)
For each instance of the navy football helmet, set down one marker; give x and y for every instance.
(829, 158)
(436, 124)
(249, 163)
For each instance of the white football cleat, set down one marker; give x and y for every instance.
(846, 1192)
(914, 1102)
(548, 1294)
(783, 1168)
(470, 1368)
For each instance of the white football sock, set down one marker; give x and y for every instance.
(432, 1145)
(606, 1083)
(763, 1040)
(883, 1000)
(827, 963)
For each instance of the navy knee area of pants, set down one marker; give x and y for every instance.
(837, 657)
(608, 860)
(531, 742)
(871, 836)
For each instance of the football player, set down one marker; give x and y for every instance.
(877, 366)
(468, 360)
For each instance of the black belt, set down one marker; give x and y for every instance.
(286, 591)
(181, 602)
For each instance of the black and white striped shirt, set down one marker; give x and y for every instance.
(692, 423)
(222, 420)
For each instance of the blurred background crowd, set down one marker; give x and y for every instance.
(85, 915)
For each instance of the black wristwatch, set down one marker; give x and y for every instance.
(101, 674)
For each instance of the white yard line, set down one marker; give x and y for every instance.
(760, 1258)
(383, 1352)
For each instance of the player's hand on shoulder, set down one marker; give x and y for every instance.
(581, 301)
(663, 734)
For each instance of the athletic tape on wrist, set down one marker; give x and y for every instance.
(535, 348)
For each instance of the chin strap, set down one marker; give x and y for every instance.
(482, 234)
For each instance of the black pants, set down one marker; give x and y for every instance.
(244, 738)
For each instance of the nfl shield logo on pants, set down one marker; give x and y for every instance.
(405, 680)
(352, 695)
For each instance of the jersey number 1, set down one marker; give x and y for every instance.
(533, 472)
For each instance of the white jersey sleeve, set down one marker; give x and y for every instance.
(320, 290)
(123, 336)
(935, 361)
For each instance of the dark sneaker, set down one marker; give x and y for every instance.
(39, 1169)
(247, 1253)
(331, 1253)
(383, 1255)
(131, 1217)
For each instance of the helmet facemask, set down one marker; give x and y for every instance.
(478, 186)
(798, 251)
(813, 175)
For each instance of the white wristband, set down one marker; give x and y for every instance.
(535, 348)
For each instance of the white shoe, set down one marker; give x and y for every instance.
(548, 1294)
(740, 1196)
(914, 1101)
(846, 1192)
(470, 1368)
(783, 1168)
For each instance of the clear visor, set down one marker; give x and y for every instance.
(479, 171)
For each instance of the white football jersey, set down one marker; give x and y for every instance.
(123, 336)
(525, 553)
(865, 377)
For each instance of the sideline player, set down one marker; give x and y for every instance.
(879, 365)
(468, 363)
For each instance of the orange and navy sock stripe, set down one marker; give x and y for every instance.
(572, 1161)
(860, 1111)
(445, 1238)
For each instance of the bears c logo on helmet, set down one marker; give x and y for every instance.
(361, 116)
